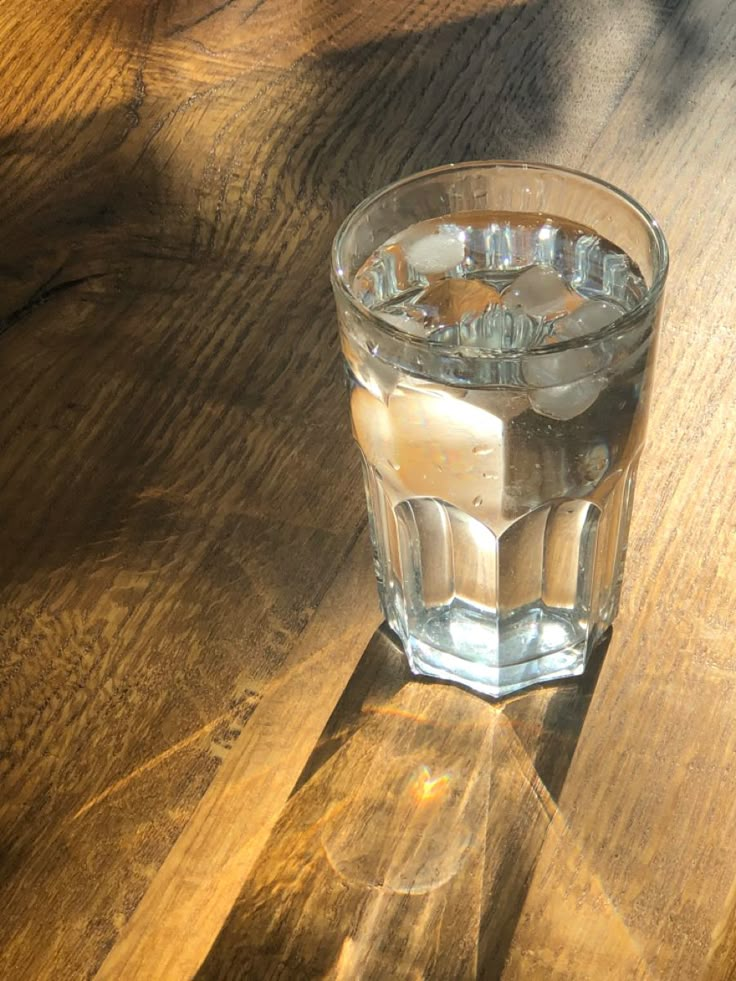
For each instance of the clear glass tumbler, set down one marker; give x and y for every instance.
(498, 323)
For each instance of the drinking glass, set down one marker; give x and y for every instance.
(499, 445)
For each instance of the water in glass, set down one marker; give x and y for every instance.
(500, 455)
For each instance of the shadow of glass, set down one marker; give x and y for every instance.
(408, 844)
(548, 722)
(552, 745)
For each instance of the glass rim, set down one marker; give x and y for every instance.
(466, 352)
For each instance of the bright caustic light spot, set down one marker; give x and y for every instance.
(424, 787)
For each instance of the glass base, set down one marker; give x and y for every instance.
(536, 647)
(493, 655)
(496, 681)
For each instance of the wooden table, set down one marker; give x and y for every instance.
(202, 773)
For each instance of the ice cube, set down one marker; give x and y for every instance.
(436, 253)
(502, 403)
(541, 292)
(447, 448)
(408, 319)
(589, 318)
(454, 300)
(549, 368)
(566, 401)
(429, 443)
(557, 370)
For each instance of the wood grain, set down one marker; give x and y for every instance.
(409, 843)
(205, 870)
(179, 494)
(653, 817)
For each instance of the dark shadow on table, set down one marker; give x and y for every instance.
(110, 223)
(409, 842)
(548, 722)
(114, 243)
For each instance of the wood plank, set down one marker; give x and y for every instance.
(649, 800)
(205, 870)
(408, 845)
(174, 449)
